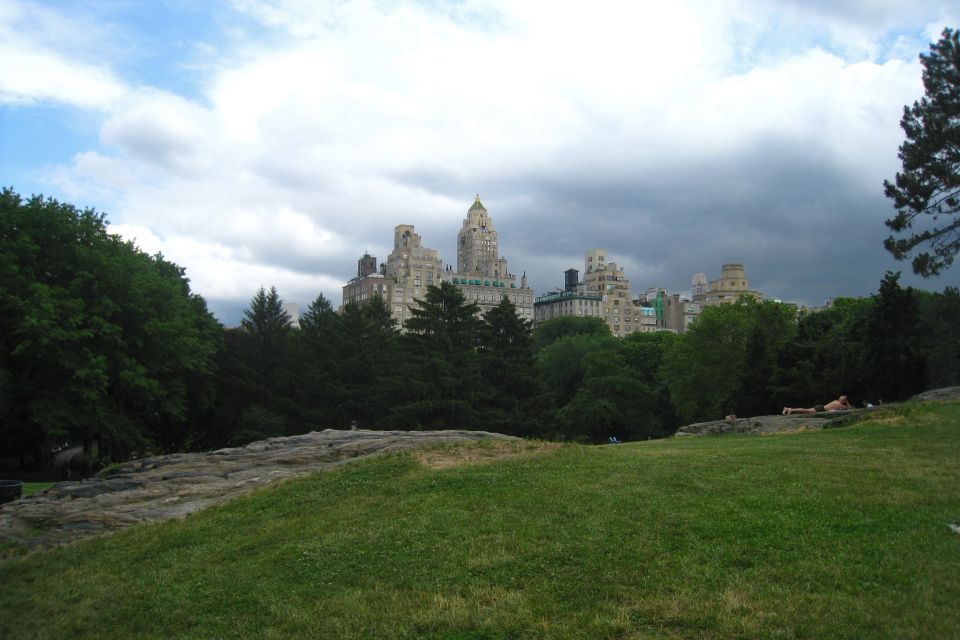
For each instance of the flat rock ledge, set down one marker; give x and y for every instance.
(172, 486)
(947, 394)
(760, 425)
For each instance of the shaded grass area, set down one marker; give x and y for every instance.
(29, 488)
(840, 533)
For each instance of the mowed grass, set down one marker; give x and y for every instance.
(834, 534)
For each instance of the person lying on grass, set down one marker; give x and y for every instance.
(834, 405)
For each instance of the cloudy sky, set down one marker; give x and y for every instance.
(273, 142)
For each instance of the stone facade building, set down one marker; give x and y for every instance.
(482, 273)
(732, 284)
(679, 312)
(608, 280)
(572, 301)
(404, 278)
(603, 293)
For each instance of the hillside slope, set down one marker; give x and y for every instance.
(839, 533)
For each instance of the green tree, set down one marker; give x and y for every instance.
(511, 399)
(440, 350)
(563, 326)
(317, 366)
(267, 344)
(895, 365)
(100, 342)
(645, 354)
(939, 338)
(609, 387)
(258, 382)
(926, 192)
(612, 401)
(366, 360)
(772, 326)
(825, 357)
(561, 364)
(728, 360)
(703, 368)
(269, 327)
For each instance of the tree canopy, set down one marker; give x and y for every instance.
(99, 342)
(926, 193)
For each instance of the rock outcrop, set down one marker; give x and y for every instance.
(172, 486)
(765, 424)
(947, 394)
(799, 421)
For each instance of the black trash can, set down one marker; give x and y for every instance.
(10, 490)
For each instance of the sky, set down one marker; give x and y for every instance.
(272, 143)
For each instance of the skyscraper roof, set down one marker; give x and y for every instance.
(477, 205)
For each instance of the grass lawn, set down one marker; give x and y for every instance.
(35, 487)
(833, 534)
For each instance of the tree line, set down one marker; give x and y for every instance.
(102, 344)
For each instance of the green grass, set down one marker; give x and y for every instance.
(833, 534)
(30, 488)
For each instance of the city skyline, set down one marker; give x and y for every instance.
(240, 138)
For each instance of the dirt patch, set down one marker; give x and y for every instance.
(890, 420)
(447, 456)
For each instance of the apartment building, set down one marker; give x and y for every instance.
(482, 273)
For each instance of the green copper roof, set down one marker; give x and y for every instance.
(477, 205)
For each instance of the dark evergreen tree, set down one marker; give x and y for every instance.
(926, 193)
(772, 326)
(365, 352)
(940, 339)
(443, 386)
(511, 399)
(317, 365)
(269, 327)
(895, 366)
(257, 396)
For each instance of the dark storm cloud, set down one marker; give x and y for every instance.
(806, 227)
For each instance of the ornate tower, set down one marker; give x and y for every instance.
(477, 245)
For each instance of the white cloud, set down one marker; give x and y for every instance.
(42, 58)
(29, 77)
(308, 144)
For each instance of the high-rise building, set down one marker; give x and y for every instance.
(413, 268)
(609, 281)
(482, 273)
(409, 270)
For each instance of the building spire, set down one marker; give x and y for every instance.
(477, 204)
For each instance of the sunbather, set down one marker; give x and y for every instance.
(839, 404)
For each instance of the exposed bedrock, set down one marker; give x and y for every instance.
(172, 486)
